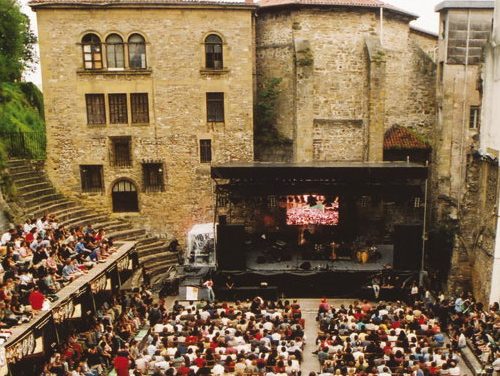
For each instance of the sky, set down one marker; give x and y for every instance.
(428, 20)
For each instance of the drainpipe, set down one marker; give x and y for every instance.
(382, 25)
(464, 110)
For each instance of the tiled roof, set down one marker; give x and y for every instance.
(345, 3)
(135, 3)
(398, 137)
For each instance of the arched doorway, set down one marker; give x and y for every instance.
(124, 195)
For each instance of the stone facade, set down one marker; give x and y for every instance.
(465, 184)
(343, 85)
(176, 84)
(333, 71)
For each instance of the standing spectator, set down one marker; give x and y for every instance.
(209, 284)
(121, 364)
(36, 299)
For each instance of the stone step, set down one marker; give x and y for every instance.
(152, 250)
(127, 234)
(152, 244)
(26, 188)
(17, 162)
(85, 219)
(53, 206)
(30, 180)
(159, 269)
(63, 214)
(39, 201)
(15, 176)
(156, 257)
(22, 167)
(37, 193)
(111, 226)
(145, 240)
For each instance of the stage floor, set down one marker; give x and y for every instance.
(386, 251)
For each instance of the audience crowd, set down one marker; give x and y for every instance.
(39, 257)
(403, 339)
(252, 337)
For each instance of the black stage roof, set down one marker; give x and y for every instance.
(353, 171)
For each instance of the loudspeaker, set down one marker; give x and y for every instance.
(230, 247)
(407, 247)
(222, 220)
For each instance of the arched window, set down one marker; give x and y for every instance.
(124, 197)
(137, 52)
(213, 52)
(114, 51)
(92, 52)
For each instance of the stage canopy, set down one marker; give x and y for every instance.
(262, 177)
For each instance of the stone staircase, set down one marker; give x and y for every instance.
(36, 196)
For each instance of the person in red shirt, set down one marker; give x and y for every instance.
(121, 363)
(36, 299)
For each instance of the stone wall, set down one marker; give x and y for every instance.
(176, 86)
(336, 84)
(338, 140)
(475, 242)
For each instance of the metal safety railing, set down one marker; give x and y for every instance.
(28, 145)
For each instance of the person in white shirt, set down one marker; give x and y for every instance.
(6, 237)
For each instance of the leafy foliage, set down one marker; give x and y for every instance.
(265, 114)
(16, 42)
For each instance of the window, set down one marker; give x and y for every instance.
(152, 177)
(215, 107)
(417, 202)
(474, 117)
(114, 52)
(137, 52)
(121, 151)
(139, 108)
(96, 110)
(205, 151)
(92, 55)
(91, 178)
(213, 52)
(117, 108)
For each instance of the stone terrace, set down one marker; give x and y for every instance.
(36, 196)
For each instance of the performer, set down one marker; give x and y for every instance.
(229, 283)
(376, 286)
(209, 284)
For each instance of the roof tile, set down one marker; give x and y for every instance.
(398, 137)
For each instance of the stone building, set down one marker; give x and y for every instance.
(349, 70)
(464, 187)
(487, 265)
(142, 97)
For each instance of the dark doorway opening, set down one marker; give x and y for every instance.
(124, 197)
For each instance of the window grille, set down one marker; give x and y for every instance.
(205, 151)
(139, 108)
(118, 108)
(152, 177)
(96, 110)
(121, 152)
(91, 178)
(215, 107)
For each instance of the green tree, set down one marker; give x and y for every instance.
(16, 41)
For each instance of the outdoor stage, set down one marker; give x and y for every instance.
(296, 260)
(298, 228)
